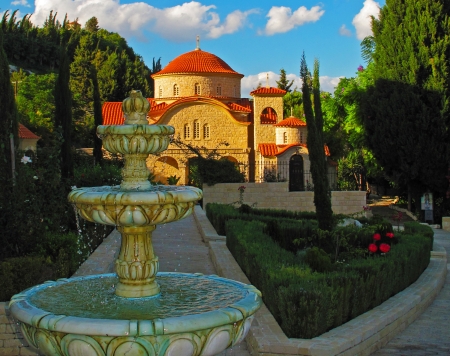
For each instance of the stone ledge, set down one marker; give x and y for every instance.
(361, 336)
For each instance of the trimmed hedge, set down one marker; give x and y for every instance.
(305, 303)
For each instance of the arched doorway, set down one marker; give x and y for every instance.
(296, 181)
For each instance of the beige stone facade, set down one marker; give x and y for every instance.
(200, 96)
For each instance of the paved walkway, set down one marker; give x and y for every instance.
(180, 248)
(429, 334)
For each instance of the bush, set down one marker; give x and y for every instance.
(306, 304)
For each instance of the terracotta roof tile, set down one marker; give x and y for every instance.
(272, 149)
(112, 113)
(269, 118)
(197, 61)
(291, 121)
(25, 133)
(237, 107)
(270, 90)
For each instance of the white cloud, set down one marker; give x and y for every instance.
(281, 18)
(344, 31)
(363, 20)
(178, 23)
(21, 2)
(251, 82)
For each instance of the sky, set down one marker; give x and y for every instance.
(255, 37)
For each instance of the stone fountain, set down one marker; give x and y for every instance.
(136, 311)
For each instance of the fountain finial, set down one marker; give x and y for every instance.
(135, 108)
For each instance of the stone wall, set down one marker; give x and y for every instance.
(278, 196)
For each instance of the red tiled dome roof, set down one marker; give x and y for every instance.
(25, 133)
(291, 121)
(197, 61)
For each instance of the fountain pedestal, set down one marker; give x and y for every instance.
(137, 265)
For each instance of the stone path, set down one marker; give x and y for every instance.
(429, 334)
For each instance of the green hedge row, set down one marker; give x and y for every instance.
(283, 228)
(306, 304)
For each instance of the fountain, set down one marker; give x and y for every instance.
(138, 310)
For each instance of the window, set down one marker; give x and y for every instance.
(197, 89)
(301, 137)
(234, 91)
(206, 132)
(285, 138)
(219, 90)
(160, 91)
(196, 129)
(176, 90)
(187, 131)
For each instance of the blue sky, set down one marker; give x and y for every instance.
(254, 37)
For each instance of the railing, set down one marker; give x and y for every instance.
(279, 172)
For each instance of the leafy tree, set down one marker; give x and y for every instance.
(314, 122)
(292, 104)
(406, 112)
(91, 25)
(283, 83)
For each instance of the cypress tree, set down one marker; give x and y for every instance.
(406, 112)
(8, 119)
(63, 113)
(98, 119)
(314, 123)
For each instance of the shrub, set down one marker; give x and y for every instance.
(307, 304)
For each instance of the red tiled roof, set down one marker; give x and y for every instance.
(112, 112)
(25, 133)
(270, 117)
(291, 121)
(270, 90)
(197, 61)
(272, 149)
(237, 107)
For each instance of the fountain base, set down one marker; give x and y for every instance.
(194, 314)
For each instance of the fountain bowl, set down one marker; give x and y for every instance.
(214, 322)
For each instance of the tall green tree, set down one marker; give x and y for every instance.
(406, 112)
(314, 122)
(284, 83)
(63, 113)
(98, 119)
(8, 120)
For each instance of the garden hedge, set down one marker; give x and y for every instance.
(305, 303)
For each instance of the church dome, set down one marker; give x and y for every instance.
(197, 61)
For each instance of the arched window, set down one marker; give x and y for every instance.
(187, 131)
(285, 137)
(196, 129)
(219, 90)
(160, 91)
(176, 90)
(206, 132)
(234, 91)
(197, 89)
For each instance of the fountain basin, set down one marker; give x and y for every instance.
(193, 315)
(135, 139)
(112, 206)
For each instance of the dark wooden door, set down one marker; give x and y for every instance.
(296, 182)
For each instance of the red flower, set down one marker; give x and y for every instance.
(373, 248)
(384, 248)
(390, 235)
(377, 236)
